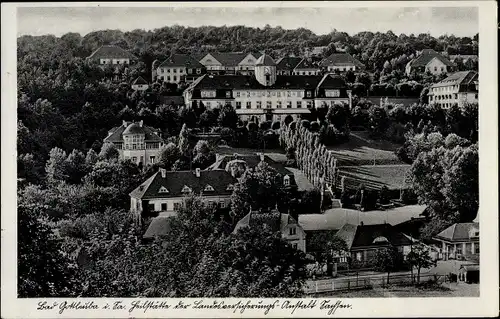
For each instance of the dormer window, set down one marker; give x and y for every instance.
(228, 94)
(208, 188)
(186, 189)
(308, 94)
(163, 190)
(286, 180)
(230, 187)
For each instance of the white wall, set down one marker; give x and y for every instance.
(114, 61)
(170, 202)
(140, 87)
(342, 68)
(145, 153)
(435, 67)
(299, 238)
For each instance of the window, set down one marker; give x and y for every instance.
(177, 206)
(286, 180)
(222, 204)
(294, 246)
(168, 70)
(309, 104)
(435, 68)
(163, 206)
(269, 104)
(117, 61)
(248, 93)
(456, 96)
(208, 188)
(168, 77)
(237, 93)
(163, 189)
(268, 93)
(299, 104)
(293, 231)
(228, 94)
(238, 105)
(249, 105)
(230, 187)
(152, 159)
(208, 104)
(358, 256)
(475, 96)
(476, 248)
(174, 78)
(151, 207)
(259, 104)
(190, 71)
(308, 93)
(198, 71)
(175, 70)
(289, 94)
(442, 69)
(278, 94)
(207, 93)
(278, 105)
(289, 104)
(134, 158)
(332, 93)
(186, 189)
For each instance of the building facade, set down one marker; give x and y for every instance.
(140, 84)
(340, 62)
(285, 65)
(178, 68)
(112, 55)
(136, 142)
(459, 88)
(163, 193)
(229, 63)
(429, 61)
(267, 96)
(306, 67)
(290, 230)
(459, 241)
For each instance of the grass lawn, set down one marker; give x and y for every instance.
(374, 177)
(361, 150)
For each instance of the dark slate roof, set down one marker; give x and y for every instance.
(251, 160)
(426, 56)
(111, 52)
(117, 132)
(159, 226)
(273, 218)
(288, 63)
(457, 232)
(139, 80)
(181, 60)
(176, 180)
(459, 78)
(371, 235)
(245, 82)
(331, 81)
(340, 59)
(265, 60)
(307, 64)
(229, 58)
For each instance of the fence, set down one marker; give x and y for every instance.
(366, 282)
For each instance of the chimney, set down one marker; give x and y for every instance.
(197, 171)
(124, 123)
(163, 172)
(141, 123)
(361, 223)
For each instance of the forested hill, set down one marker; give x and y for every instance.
(372, 49)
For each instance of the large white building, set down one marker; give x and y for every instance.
(340, 62)
(459, 88)
(112, 54)
(229, 62)
(267, 96)
(178, 68)
(136, 142)
(429, 61)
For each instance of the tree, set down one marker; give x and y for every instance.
(386, 260)
(91, 158)
(43, 270)
(338, 115)
(236, 167)
(183, 143)
(168, 155)
(75, 167)
(228, 117)
(203, 154)
(109, 151)
(324, 245)
(419, 258)
(379, 121)
(56, 166)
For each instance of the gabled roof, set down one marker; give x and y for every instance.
(331, 81)
(246, 82)
(306, 64)
(111, 52)
(159, 226)
(139, 81)
(340, 59)
(288, 63)
(372, 235)
(265, 60)
(462, 78)
(176, 180)
(229, 58)
(117, 132)
(181, 60)
(426, 56)
(457, 232)
(273, 218)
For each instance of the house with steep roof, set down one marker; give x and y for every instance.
(112, 54)
(363, 241)
(459, 241)
(251, 161)
(459, 88)
(284, 223)
(229, 62)
(340, 62)
(179, 68)
(307, 66)
(163, 193)
(430, 61)
(136, 142)
(285, 65)
(140, 84)
(266, 96)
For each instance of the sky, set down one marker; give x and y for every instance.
(460, 21)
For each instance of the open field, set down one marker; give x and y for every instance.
(361, 150)
(374, 177)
